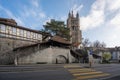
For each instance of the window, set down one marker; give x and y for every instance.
(36, 36)
(10, 30)
(39, 37)
(24, 33)
(18, 32)
(28, 34)
(74, 22)
(2, 35)
(2, 27)
(31, 35)
(73, 28)
(7, 29)
(14, 31)
(21, 33)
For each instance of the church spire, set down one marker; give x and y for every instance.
(72, 14)
(69, 15)
(73, 24)
(77, 15)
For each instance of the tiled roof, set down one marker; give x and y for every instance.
(9, 21)
(31, 45)
(60, 39)
(55, 38)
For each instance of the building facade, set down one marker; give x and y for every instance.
(114, 53)
(56, 50)
(10, 29)
(13, 35)
(73, 23)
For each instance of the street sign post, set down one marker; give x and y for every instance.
(90, 58)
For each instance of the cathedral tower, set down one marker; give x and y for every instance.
(74, 26)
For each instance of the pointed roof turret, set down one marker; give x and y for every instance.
(77, 15)
(69, 15)
(72, 14)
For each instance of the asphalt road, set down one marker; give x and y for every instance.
(34, 72)
(112, 69)
(56, 72)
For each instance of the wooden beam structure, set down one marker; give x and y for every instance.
(10, 30)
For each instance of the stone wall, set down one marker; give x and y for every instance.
(35, 57)
(6, 47)
(7, 44)
(46, 55)
(38, 53)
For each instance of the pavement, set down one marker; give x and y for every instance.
(85, 73)
(114, 78)
(60, 72)
(112, 69)
(35, 72)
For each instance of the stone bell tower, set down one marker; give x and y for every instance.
(73, 23)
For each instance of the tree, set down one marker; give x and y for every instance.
(106, 56)
(86, 42)
(98, 44)
(57, 28)
(103, 45)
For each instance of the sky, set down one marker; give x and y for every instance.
(99, 19)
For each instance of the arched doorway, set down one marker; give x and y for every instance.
(61, 59)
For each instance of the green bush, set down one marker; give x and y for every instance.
(106, 57)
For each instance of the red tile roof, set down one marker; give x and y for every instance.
(60, 39)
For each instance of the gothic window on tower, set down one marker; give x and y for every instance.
(74, 28)
(73, 22)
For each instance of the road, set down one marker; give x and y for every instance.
(34, 72)
(112, 69)
(60, 72)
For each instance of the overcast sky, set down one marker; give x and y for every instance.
(99, 19)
